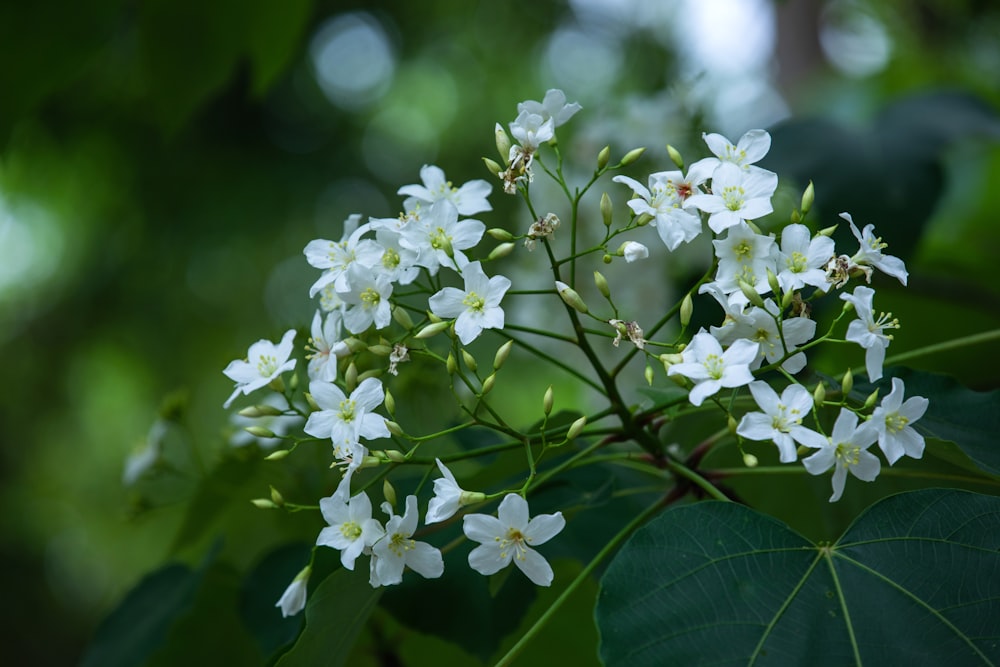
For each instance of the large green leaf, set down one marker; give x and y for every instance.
(970, 419)
(914, 579)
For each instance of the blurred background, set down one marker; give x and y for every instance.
(162, 165)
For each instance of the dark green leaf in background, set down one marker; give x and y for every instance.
(915, 580)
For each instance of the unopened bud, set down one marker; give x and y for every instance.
(351, 377)
(732, 424)
(388, 492)
(687, 309)
(259, 432)
(370, 373)
(380, 350)
(492, 166)
(277, 498)
(607, 209)
(872, 397)
(632, 156)
(488, 384)
(432, 329)
(260, 411)
(277, 384)
(395, 455)
(576, 428)
(470, 361)
(451, 364)
(402, 317)
(847, 383)
(547, 401)
(355, 344)
(819, 395)
(786, 299)
(264, 503)
(772, 282)
(749, 460)
(648, 374)
(607, 259)
(603, 157)
(753, 226)
(277, 455)
(808, 197)
(390, 403)
(750, 293)
(501, 250)
(675, 156)
(311, 402)
(502, 353)
(827, 231)
(602, 284)
(293, 382)
(499, 234)
(570, 296)
(644, 220)
(503, 142)
(796, 217)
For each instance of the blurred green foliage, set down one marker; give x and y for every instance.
(162, 164)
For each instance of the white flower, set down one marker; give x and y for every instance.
(439, 237)
(870, 252)
(781, 419)
(759, 325)
(750, 148)
(802, 260)
(633, 251)
(665, 199)
(398, 550)
(847, 449)
(553, 106)
(509, 537)
(531, 131)
(265, 362)
(397, 263)
(737, 195)
(866, 331)
(293, 600)
(345, 420)
(468, 199)
(337, 256)
(744, 255)
(367, 300)
(711, 369)
(325, 347)
(351, 528)
(893, 420)
(449, 497)
(477, 307)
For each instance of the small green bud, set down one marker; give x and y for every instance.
(603, 157)
(395, 455)
(388, 492)
(732, 424)
(277, 384)
(576, 428)
(313, 405)
(380, 350)
(277, 455)
(870, 401)
(753, 225)
(847, 383)
(432, 329)
(827, 231)
(451, 364)
(750, 293)
(796, 217)
(602, 284)
(819, 395)
(293, 382)
(687, 309)
(675, 156)
(644, 220)
(498, 234)
(277, 498)
(432, 317)
(786, 299)
(394, 428)
(607, 259)
(255, 411)
(749, 460)
(808, 197)
(488, 384)
(607, 209)
(648, 374)
(351, 377)
(571, 297)
(501, 250)
(371, 373)
(470, 361)
(264, 503)
(547, 401)
(492, 166)
(502, 353)
(503, 142)
(259, 432)
(632, 156)
(390, 403)
(402, 317)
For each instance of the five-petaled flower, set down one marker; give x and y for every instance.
(845, 450)
(711, 369)
(352, 528)
(866, 331)
(346, 419)
(265, 362)
(476, 307)
(893, 420)
(398, 550)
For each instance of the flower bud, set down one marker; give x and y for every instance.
(264, 503)
(732, 425)
(675, 157)
(502, 353)
(371, 373)
(786, 299)
(402, 317)
(432, 329)
(648, 374)
(451, 364)
(872, 397)
(277, 498)
(796, 217)
(576, 428)
(499, 234)
(819, 395)
(753, 225)
(570, 296)
(277, 384)
(260, 432)
(808, 197)
(749, 460)
(293, 382)
(547, 401)
(643, 220)
(602, 284)
(488, 384)
(493, 167)
(632, 156)
(503, 142)
(607, 209)
(827, 231)
(260, 411)
(772, 282)
(470, 361)
(633, 251)
(603, 157)
(355, 345)
(847, 383)
(501, 250)
(388, 492)
(390, 403)
(395, 455)
(380, 350)
(313, 405)
(687, 309)
(750, 293)
(607, 259)
(277, 455)
(351, 377)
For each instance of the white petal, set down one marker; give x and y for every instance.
(535, 567)
(425, 560)
(513, 512)
(482, 528)
(543, 528)
(487, 559)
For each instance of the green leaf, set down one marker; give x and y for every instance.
(914, 579)
(970, 419)
(335, 614)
